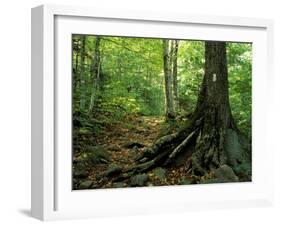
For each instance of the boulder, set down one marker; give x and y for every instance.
(238, 153)
(185, 181)
(138, 180)
(160, 173)
(85, 184)
(233, 148)
(80, 173)
(97, 154)
(244, 171)
(113, 169)
(225, 174)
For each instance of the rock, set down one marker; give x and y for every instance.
(225, 174)
(133, 144)
(80, 173)
(119, 185)
(135, 149)
(79, 169)
(97, 154)
(138, 180)
(233, 148)
(99, 175)
(75, 181)
(113, 169)
(238, 152)
(244, 171)
(85, 184)
(185, 181)
(160, 173)
(80, 164)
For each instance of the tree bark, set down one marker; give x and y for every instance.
(170, 112)
(75, 60)
(95, 71)
(82, 75)
(175, 74)
(214, 109)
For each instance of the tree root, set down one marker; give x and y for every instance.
(162, 152)
(202, 138)
(180, 148)
(158, 146)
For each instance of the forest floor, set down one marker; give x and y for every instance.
(118, 147)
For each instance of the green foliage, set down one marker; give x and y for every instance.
(240, 83)
(131, 79)
(191, 72)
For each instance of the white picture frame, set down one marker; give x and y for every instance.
(52, 197)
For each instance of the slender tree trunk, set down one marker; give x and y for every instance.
(175, 74)
(75, 62)
(82, 71)
(170, 112)
(95, 71)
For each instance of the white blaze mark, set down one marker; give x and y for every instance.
(214, 77)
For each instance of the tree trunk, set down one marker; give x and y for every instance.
(82, 75)
(175, 74)
(207, 136)
(170, 112)
(214, 109)
(95, 69)
(75, 62)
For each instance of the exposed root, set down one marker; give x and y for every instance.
(180, 148)
(206, 141)
(143, 167)
(160, 145)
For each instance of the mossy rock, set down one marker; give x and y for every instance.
(85, 184)
(113, 169)
(159, 173)
(226, 174)
(185, 181)
(138, 180)
(80, 173)
(96, 155)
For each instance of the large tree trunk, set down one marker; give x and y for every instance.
(211, 139)
(170, 112)
(95, 69)
(214, 109)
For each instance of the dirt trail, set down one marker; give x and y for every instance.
(142, 130)
(124, 142)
